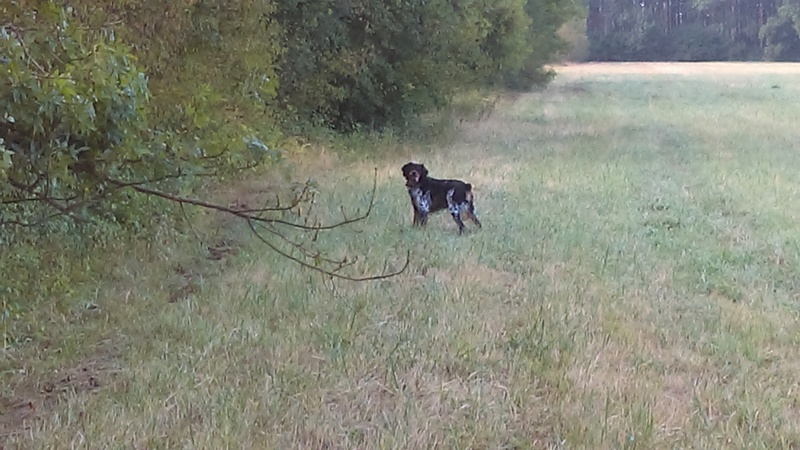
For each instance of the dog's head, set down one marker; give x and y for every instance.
(413, 173)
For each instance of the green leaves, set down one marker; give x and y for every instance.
(74, 115)
(5, 160)
(378, 64)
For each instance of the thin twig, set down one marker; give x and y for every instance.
(333, 266)
(382, 276)
(245, 215)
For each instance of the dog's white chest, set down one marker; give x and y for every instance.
(421, 199)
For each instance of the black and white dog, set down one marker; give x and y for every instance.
(430, 195)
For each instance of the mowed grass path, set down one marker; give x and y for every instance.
(636, 285)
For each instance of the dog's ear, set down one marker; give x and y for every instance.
(423, 171)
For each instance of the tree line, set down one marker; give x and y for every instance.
(145, 87)
(693, 30)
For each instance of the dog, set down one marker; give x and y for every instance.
(429, 195)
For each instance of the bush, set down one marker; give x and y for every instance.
(698, 43)
(610, 47)
(376, 64)
(781, 42)
(74, 113)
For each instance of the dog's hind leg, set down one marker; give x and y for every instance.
(470, 210)
(471, 215)
(457, 217)
(455, 210)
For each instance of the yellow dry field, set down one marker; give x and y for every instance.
(679, 68)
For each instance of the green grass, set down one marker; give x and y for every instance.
(634, 286)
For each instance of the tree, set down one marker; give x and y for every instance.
(76, 141)
(781, 41)
(541, 43)
(356, 63)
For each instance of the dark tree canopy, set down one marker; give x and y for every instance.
(357, 63)
(693, 30)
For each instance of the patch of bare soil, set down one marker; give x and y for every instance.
(219, 232)
(29, 397)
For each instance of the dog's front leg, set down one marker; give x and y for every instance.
(414, 204)
(423, 218)
(422, 205)
(417, 216)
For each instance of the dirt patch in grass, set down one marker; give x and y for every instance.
(29, 397)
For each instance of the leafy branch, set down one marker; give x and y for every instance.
(266, 229)
(258, 224)
(75, 143)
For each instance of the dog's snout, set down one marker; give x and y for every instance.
(412, 179)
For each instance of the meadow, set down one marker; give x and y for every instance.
(635, 285)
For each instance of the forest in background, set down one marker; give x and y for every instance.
(693, 30)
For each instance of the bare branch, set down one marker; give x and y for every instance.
(332, 274)
(277, 208)
(246, 215)
(308, 257)
(305, 251)
(37, 223)
(50, 201)
(16, 201)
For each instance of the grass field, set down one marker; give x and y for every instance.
(635, 285)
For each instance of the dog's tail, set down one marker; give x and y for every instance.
(468, 195)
